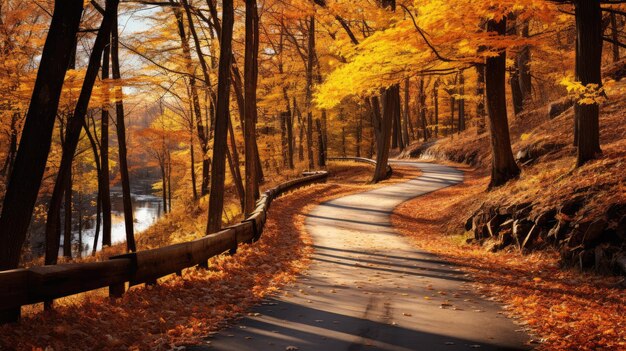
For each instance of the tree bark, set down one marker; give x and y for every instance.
(503, 166)
(121, 140)
(250, 107)
(383, 130)
(309, 91)
(32, 154)
(321, 159)
(104, 158)
(73, 130)
(408, 126)
(200, 128)
(67, 209)
(615, 37)
(588, 71)
(480, 92)
(436, 103)
(216, 196)
(461, 102)
(422, 105)
(233, 162)
(516, 91)
(523, 65)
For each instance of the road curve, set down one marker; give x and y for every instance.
(368, 289)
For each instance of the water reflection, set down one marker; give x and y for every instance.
(147, 209)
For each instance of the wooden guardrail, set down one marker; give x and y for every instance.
(25, 286)
(362, 160)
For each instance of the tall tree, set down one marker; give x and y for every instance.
(32, 154)
(216, 197)
(73, 130)
(105, 191)
(121, 140)
(309, 91)
(250, 109)
(588, 71)
(503, 166)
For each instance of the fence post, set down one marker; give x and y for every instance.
(10, 315)
(117, 290)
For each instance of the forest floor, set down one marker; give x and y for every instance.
(564, 308)
(182, 310)
(581, 211)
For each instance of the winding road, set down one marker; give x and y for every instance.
(368, 289)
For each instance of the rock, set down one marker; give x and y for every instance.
(523, 155)
(558, 107)
(572, 206)
(546, 219)
(557, 232)
(521, 227)
(602, 261)
(587, 234)
(531, 237)
(496, 224)
(620, 262)
(468, 224)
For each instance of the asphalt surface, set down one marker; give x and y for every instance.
(368, 289)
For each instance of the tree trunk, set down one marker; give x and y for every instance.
(436, 103)
(97, 161)
(452, 111)
(233, 163)
(480, 92)
(193, 164)
(121, 140)
(321, 159)
(104, 158)
(301, 125)
(200, 128)
(309, 91)
(422, 105)
(461, 102)
(250, 107)
(588, 71)
(67, 209)
(282, 120)
(523, 65)
(216, 197)
(516, 91)
(73, 130)
(383, 128)
(359, 135)
(615, 37)
(408, 126)
(503, 166)
(32, 154)
(163, 182)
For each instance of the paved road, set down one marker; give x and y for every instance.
(368, 289)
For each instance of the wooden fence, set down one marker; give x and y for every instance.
(25, 286)
(362, 160)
